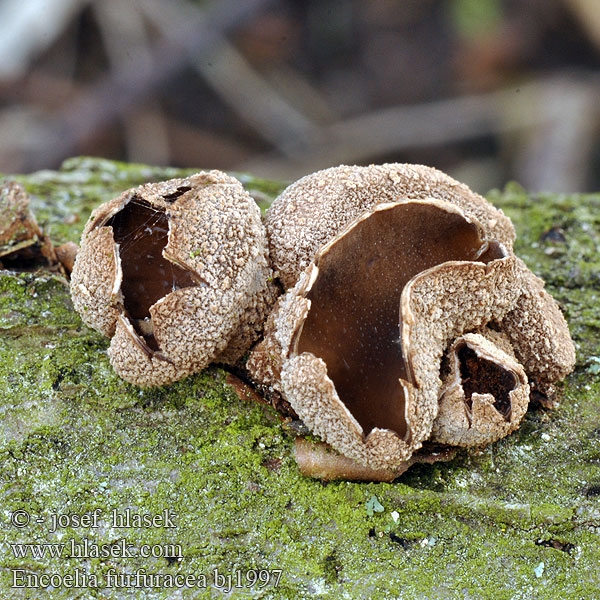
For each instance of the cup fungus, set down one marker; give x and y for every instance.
(389, 269)
(176, 273)
(361, 343)
(311, 211)
(485, 394)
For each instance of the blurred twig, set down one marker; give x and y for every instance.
(400, 128)
(30, 27)
(117, 93)
(126, 39)
(556, 154)
(588, 13)
(240, 86)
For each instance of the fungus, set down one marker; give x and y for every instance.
(176, 273)
(359, 358)
(407, 318)
(485, 393)
(354, 324)
(313, 210)
(366, 379)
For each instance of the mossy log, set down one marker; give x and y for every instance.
(519, 519)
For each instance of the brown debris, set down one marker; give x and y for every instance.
(320, 461)
(66, 254)
(22, 242)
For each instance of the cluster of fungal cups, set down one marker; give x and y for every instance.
(405, 316)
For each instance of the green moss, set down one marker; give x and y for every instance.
(75, 438)
(35, 300)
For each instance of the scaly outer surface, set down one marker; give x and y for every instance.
(540, 337)
(74, 437)
(311, 211)
(216, 234)
(314, 209)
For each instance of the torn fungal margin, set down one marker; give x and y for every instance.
(354, 321)
(485, 392)
(169, 309)
(170, 198)
(141, 233)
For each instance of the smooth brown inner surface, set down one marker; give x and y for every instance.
(353, 323)
(141, 232)
(482, 376)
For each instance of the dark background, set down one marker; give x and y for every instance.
(487, 90)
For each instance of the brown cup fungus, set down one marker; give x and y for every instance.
(393, 272)
(485, 394)
(311, 211)
(407, 318)
(176, 273)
